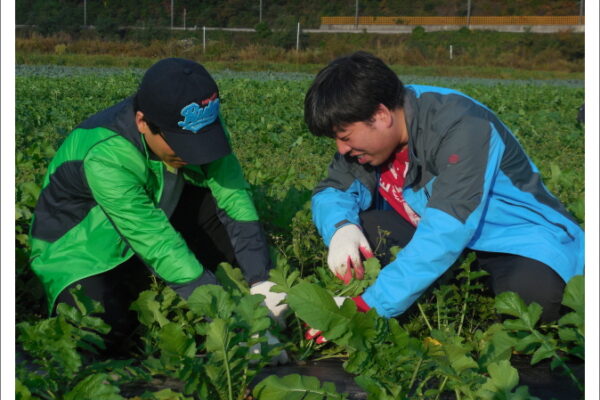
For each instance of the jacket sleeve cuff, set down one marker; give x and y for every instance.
(361, 305)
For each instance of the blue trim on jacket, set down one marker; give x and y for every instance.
(506, 219)
(331, 206)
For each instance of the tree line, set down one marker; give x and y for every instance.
(70, 15)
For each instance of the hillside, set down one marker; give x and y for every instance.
(242, 13)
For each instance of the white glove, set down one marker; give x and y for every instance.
(339, 300)
(345, 249)
(281, 358)
(272, 300)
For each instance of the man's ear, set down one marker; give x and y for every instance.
(383, 115)
(142, 125)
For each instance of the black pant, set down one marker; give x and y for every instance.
(532, 280)
(196, 219)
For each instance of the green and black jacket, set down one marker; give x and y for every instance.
(104, 199)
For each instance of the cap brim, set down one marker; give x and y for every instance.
(203, 147)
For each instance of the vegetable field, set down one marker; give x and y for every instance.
(457, 342)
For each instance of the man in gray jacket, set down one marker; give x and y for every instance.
(443, 174)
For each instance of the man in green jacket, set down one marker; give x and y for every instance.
(148, 186)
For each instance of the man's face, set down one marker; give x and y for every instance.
(157, 143)
(373, 142)
(159, 146)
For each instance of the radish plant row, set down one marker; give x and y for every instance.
(456, 341)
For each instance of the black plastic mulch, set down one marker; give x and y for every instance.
(546, 383)
(329, 370)
(541, 380)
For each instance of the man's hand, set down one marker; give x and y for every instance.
(276, 312)
(345, 248)
(280, 359)
(272, 301)
(315, 334)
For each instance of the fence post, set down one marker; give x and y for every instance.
(469, 14)
(298, 37)
(204, 39)
(451, 52)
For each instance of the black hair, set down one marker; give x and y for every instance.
(152, 126)
(348, 90)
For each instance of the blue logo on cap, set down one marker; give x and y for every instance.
(196, 117)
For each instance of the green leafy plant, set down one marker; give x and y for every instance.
(213, 342)
(449, 345)
(292, 387)
(503, 378)
(551, 342)
(457, 302)
(391, 363)
(55, 351)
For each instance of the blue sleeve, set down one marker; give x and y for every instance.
(333, 208)
(443, 231)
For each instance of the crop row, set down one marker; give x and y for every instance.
(282, 162)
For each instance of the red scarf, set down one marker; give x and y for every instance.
(391, 181)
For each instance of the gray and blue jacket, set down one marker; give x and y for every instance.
(473, 186)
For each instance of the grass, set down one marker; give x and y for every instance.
(107, 60)
(476, 54)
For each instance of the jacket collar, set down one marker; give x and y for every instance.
(411, 112)
(411, 109)
(128, 127)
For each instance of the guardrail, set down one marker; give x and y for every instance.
(474, 20)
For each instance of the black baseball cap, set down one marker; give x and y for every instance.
(181, 98)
